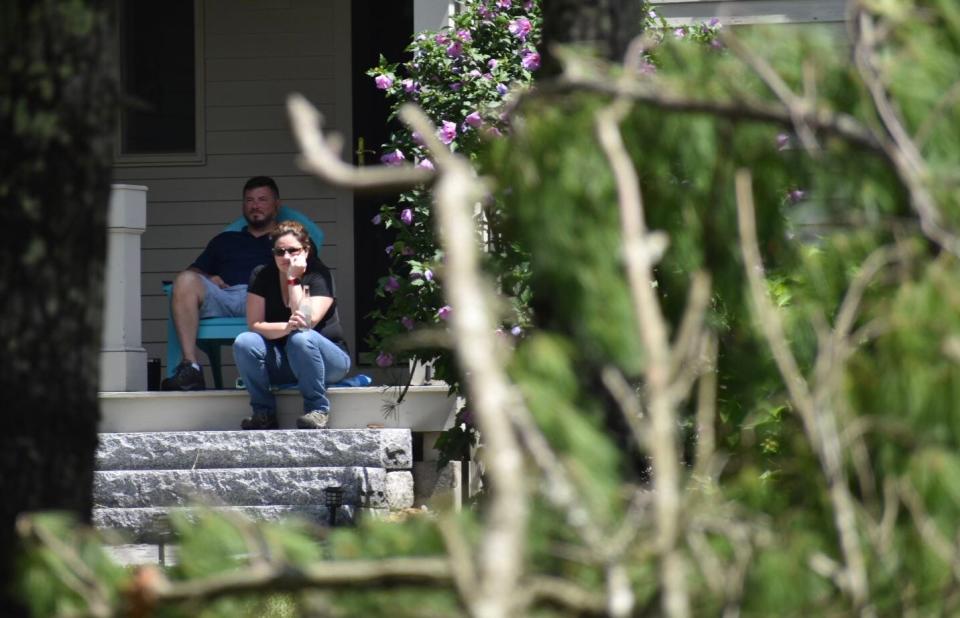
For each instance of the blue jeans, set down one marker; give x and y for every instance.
(306, 358)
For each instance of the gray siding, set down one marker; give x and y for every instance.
(734, 12)
(254, 53)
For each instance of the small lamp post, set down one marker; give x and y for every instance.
(333, 498)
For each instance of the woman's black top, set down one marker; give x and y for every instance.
(265, 282)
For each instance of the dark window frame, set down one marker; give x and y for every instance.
(198, 155)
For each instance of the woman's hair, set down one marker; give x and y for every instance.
(292, 227)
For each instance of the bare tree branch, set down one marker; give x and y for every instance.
(640, 254)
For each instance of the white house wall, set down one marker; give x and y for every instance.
(736, 12)
(255, 52)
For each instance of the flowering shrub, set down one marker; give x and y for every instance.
(461, 77)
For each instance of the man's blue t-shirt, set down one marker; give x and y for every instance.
(233, 255)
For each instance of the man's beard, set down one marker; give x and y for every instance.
(265, 223)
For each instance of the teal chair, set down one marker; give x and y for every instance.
(215, 333)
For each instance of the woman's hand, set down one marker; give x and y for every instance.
(296, 322)
(298, 265)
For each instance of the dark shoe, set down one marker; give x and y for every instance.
(185, 377)
(313, 420)
(260, 421)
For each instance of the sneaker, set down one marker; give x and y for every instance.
(185, 377)
(260, 421)
(313, 420)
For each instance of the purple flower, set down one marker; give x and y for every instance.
(455, 86)
(647, 67)
(444, 312)
(383, 81)
(464, 35)
(530, 60)
(516, 331)
(428, 275)
(796, 195)
(484, 13)
(394, 157)
(474, 73)
(714, 23)
(426, 164)
(377, 219)
(389, 249)
(441, 38)
(448, 132)
(501, 89)
(528, 5)
(409, 86)
(406, 216)
(492, 63)
(455, 49)
(407, 322)
(392, 284)
(417, 138)
(783, 141)
(504, 4)
(520, 28)
(679, 33)
(384, 359)
(473, 119)
(494, 132)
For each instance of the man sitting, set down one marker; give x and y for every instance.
(215, 285)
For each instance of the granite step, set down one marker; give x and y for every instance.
(191, 450)
(152, 524)
(363, 486)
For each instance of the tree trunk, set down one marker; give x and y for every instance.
(58, 96)
(606, 26)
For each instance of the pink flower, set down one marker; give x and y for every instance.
(409, 86)
(464, 35)
(417, 138)
(494, 132)
(455, 49)
(426, 164)
(796, 195)
(392, 158)
(520, 28)
(441, 38)
(447, 132)
(473, 119)
(455, 86)
(530, 60)
(428, 275)
(406, 216)
(383, 81)
(384, 359)
(783, 141)
(504, 4)
(492, 63)
(444, 312)
(392, 284)
(407, 322)
(679, 33)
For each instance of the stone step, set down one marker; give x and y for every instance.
(363, 486)
(151, 524)
(192, 450)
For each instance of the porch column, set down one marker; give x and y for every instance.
(123, 360)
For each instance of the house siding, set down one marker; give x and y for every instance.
(736, 12)
(254, 54)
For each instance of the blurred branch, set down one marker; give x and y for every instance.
(501, 550)
(641, 251)
(900, 149)
(321, 156)
(818, 419)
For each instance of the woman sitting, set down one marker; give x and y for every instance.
(295, 334)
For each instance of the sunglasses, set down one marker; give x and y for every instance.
(279, 251)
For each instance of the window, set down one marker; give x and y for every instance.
(161, 73)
